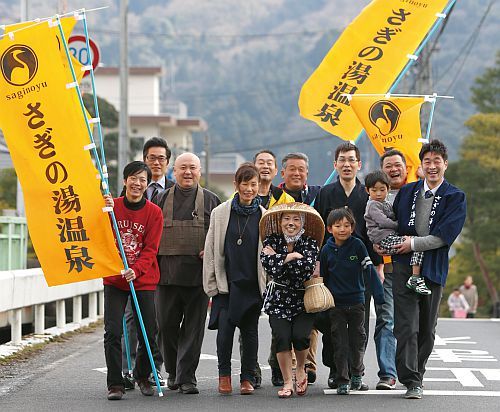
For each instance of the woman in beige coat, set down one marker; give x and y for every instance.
(233, 277)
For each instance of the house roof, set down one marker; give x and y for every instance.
(195, 124)
(134, 70)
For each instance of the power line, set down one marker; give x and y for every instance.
(270, 146)
(466, 48)
(200, 36)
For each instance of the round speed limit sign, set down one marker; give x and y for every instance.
(78, 48)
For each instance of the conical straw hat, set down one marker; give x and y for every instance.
(271, 220)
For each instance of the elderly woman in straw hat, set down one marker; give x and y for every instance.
(291, 236)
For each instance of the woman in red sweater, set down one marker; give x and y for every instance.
(140, 223)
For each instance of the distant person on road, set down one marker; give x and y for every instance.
(457, 304)
(431, 214)
(289, 254)
(233, 277)
(140, 223)
(469, 290)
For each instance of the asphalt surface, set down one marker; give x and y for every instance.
(463, 374)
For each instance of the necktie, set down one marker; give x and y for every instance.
(156, 187)
(428, 194)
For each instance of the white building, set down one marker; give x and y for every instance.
(144, 106)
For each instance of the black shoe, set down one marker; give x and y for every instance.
(332, 384)
(311, 374)
(128, 381)
(277, 377)
(258, 382)
(145, 387)
(386, 383)
(160, 378)
(171, 383)
(188, 389)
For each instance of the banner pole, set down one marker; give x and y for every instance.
(431, 115)
(113, 218)
(435, 26)
(127, 345)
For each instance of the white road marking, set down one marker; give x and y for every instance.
(460, 355)
(426, 393)
(465, 340)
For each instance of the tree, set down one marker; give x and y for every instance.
(8, 189)
(478, 174)
(486, 93)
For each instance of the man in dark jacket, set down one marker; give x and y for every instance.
(346, 191)
(431, 214)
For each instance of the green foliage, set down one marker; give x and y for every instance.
(107, 112)
(478, 174)
(486, 93)
(8, 189)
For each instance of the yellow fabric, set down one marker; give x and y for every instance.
(392, 123)
(45, 131)
(284, 198)
(366, 58)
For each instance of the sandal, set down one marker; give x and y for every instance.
(302, 387)
(285, 393)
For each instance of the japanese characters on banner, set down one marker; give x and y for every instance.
(367, 58)
(392, 123)
(44, 128)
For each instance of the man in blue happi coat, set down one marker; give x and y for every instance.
(431, 214)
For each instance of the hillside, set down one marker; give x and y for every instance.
(240, 64)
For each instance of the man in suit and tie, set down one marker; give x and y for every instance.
(156, 154)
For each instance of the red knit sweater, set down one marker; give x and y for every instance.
(140, 231)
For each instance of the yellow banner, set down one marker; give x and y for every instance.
(45, 131)
(392, 123)
(367, 58)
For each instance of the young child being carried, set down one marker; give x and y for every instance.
(381, 225)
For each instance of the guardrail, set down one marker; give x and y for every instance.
(21, 289)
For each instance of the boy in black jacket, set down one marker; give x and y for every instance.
(343, 259)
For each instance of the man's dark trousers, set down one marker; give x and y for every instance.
(181, 313)
(415, 319)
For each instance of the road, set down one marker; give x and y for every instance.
(463, 374)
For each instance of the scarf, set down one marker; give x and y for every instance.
(245, 210)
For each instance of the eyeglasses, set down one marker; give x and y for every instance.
(152, 158)
(343, 160)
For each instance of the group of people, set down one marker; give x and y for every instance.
(463, 301)
(256, 251)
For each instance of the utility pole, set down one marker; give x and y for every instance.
(123, 136)
(207, 159)
(423, 83)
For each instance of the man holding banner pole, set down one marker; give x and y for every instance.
(140, 225)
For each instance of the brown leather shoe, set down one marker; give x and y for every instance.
(246, 388)
(225, 387)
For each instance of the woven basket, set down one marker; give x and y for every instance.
(317, 297)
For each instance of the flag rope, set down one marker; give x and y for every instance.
(440, 18)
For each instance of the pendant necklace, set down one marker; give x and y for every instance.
(240, 241)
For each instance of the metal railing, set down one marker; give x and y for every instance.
(24, 289)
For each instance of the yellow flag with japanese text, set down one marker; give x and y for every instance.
(367, 58)
(42, 121)
(392, 123)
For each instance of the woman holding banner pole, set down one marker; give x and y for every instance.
(140, 225)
